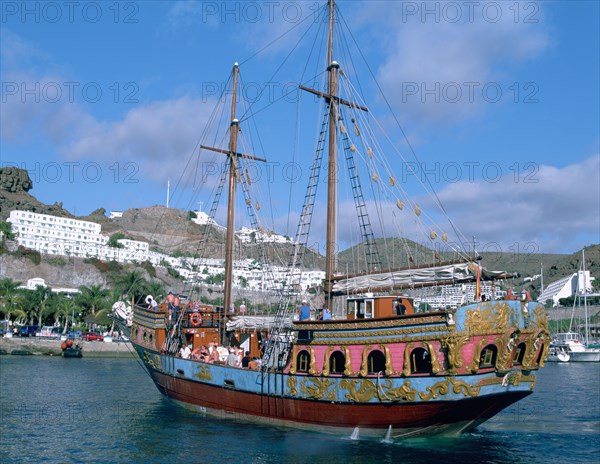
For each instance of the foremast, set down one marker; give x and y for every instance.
(233, 141)
(233, 155)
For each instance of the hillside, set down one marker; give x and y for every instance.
(171, 231)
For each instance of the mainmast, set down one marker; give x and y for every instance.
(233, 139)
(332, 88)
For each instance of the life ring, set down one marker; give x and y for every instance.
(196, 319)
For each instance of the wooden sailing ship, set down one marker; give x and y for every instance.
(380, 368)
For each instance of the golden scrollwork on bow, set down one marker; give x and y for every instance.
(530, 352)
(488, 318)
(454, 343)
(203, 373)
(474, 366)
(359, 391)
(148, 359)
(541, 319)
(317, 388)
(546, 347)
(364, 365)
(458, 386)
(443, 388)
(157, 363)
(440, 388)
(505, 345)
(292, 388)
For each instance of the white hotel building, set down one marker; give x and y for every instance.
(53, 235)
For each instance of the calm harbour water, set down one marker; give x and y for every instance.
(56, 410)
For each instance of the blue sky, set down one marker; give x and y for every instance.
(105, 102)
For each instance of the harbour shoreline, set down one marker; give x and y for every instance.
(51, 347)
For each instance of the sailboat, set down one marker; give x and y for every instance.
(380, 367)
(574, 344)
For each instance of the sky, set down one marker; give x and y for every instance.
(495, 106)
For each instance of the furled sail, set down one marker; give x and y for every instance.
(414, 278)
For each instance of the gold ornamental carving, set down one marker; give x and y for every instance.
(443, 388)
(293, 367)
(312, 369)
(325, 371)
(406, 367)
(389, 365)
(317, 388)
(454, 344)
(359, 391)
(364, 365)
(292, 388)
(403, 393)
(435, 363)
(488, 318)
(203, 373)
(348, 372)
(505, 345)
(474, 366)
(440, 388)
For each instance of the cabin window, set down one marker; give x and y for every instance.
(145, 336)
(337, 362)
(420, 361)
(375, 362)
(488, 356)
(360, 309)
(519, 354)
(302, 361)
(369, 309)
(150, 338)
(351, 308)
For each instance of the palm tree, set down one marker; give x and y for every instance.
(11, 300)
(36, 303)
(131, 284)
(12, 305)
(66, 310)
(92, 298)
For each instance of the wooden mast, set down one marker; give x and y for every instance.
(233, 139)
(332, 87)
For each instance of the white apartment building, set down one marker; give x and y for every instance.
(578, 282)
(455, 295)
(54, 235)
(247, 235)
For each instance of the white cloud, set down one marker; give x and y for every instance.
(556, 210)
(437, 71)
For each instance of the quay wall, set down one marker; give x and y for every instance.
(51, 347)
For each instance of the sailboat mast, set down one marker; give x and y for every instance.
(233, 139)
(332, 87)
(586, 335)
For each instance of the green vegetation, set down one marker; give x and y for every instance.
(31, 255)
(88, 309)
(112, 241)
(6, 231)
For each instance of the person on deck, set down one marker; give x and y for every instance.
(326, 314)
(231, 358)
(304, 312)
(185, 352)
(246, 360)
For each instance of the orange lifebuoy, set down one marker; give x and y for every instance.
(196, 319)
